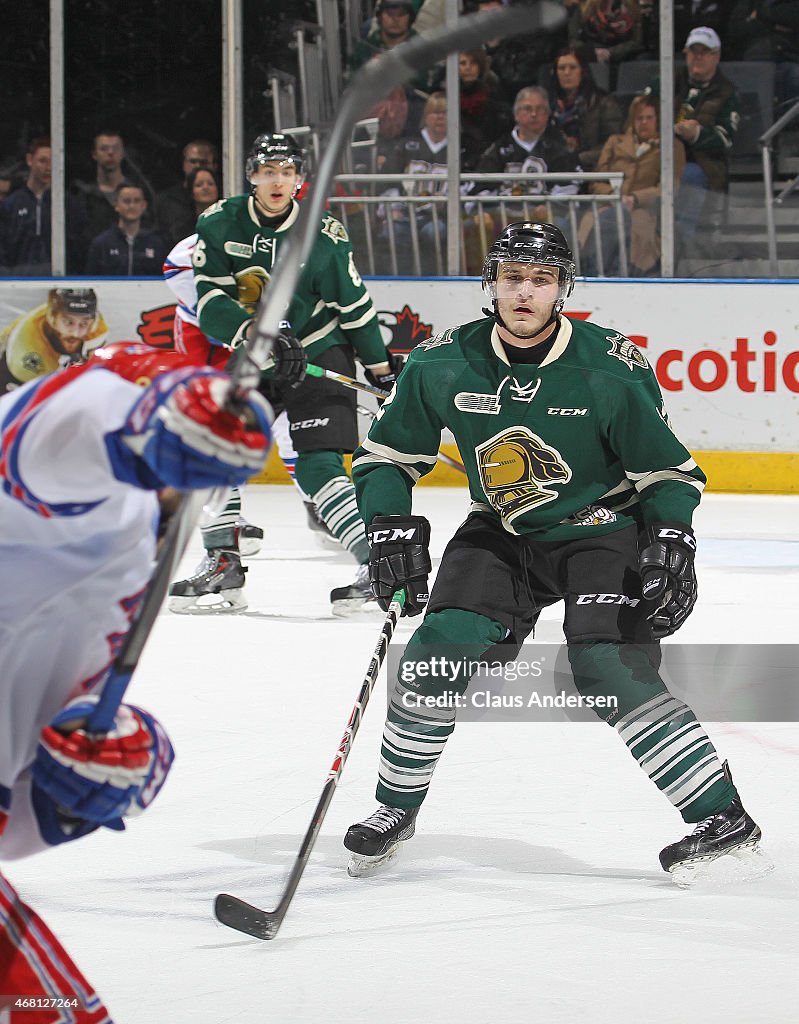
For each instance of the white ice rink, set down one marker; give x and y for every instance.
(532, 891)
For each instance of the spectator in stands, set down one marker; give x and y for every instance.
(708, 111)
(394, 26)
(205, 188)
(420, 154)
(127, 249)
(636, 153)
(535, 145)
(111, 168)
(174, 206)
(610, 30)
(769, 31)
(518, 61)
(586, 114)
(483, 111)
(5, 183)
(392, 124)
(25, 220)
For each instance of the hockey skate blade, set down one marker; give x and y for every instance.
(746, 863)
(226, 603)
(356, 607)
(362, 867)
(244, 917)
(326, 542)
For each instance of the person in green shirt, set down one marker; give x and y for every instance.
(580, 492)
(331, 320)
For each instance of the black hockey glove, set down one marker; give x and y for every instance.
(386, 381)
(289, 356)
(399, 557)
(666, 553)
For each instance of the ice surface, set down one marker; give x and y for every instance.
(532, 890)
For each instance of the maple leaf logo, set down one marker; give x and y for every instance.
(404, 330)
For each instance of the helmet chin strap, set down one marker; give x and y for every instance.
(493, 314)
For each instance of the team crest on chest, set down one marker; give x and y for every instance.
(623, 349)
(334, 229)
(518, 470)
(250, 283)
(490, 405)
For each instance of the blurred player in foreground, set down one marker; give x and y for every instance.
(85, 454)
(580, 492)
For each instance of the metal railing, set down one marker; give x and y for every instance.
(771, 201)
(382, 216)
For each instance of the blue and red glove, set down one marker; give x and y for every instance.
(100, 779)
(185, 436)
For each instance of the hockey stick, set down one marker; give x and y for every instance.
(370, 389)
(378, 393)
(264, 924)
(173, 545)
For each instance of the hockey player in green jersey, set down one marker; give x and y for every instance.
(580, 490)
(331, 320)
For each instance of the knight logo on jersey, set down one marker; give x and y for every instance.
(250, 284)
(514, 465)
(624, 350)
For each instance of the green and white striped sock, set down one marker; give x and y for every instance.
(676, 753)
(336, 504)
(413, 741)
(221, 533)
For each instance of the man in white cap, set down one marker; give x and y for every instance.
(707, 111)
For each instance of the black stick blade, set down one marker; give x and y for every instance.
(244, 917)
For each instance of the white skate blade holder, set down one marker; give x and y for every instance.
(360, 866)
(227, 602)
(349, 607)
(249, 546)
(747, 863)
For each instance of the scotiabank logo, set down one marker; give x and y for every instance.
(748, 366)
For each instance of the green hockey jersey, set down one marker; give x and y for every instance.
(233, 262)
(578, 446)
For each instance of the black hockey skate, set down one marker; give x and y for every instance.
(357, 597)
(731, 831)
(375, 841)
(250, 538)
(323, 535)
(216, 586)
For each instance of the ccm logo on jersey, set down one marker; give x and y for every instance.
(386, 536)
(608, 599)
(309, 424)
(555, 410)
